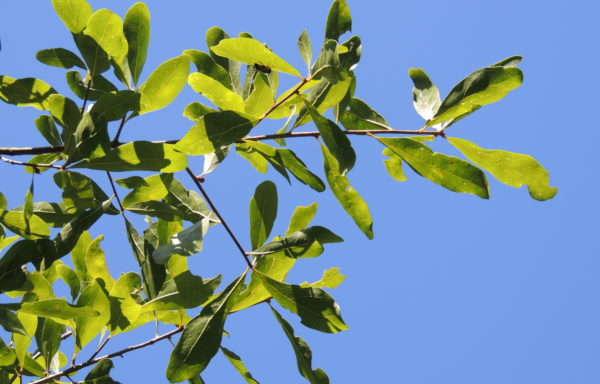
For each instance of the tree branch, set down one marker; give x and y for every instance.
(35, 166)
(216, 211)
(121, 352)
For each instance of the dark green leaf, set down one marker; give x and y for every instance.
(484, 86)
(20, 253)
(201, 338)
(302, 352)
(350, 200)
(74, 13)
(136, 29)
(158, 209)
(95, 57)
(299, 169)
(114, 106)
(164, 84)
(362, 117)
(206, 65)
(153, 274)
(297, 243)
(510, 168)
(349, 60)
(10, 322)
(48, 339)
(239, 366)
(305, 48)
(327, 64)
(184, 291)
(100, 373)
(511, 61)
(80, 192)
(185, 243)
(59, 57)
(336, 141)
(213, 131)
(91, 139)
(25, 92)
(260, 154)
(139, 156)
(339, 20)
(426, 96)
(98, 88)
(47, 128)
(213, 36)
(263, 211)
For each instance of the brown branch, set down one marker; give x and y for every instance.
(216, 211)
(121, 352)
(294, 91)
(112, 185)
(35, 166)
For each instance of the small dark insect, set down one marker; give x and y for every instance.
(262, 68)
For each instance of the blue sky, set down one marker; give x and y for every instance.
(453, 289)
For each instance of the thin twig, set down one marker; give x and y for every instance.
(294, 92)
(121, 352)
(35, 166)
(99, 348)
(87, 94)
(123, 121)
(216, 211)
(112, 185)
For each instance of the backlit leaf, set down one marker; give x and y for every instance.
(136, 28)
(96, 59)
(216, 92)
(183, 291)
(87, 328)
(74, 13)
(59, 57)
(164, 84)
(331, 279)
(297, 243)
(361, 116)
(263, 211)
(153, 275)
(239, 366)
(426, 96)
(25, 92)
(339, 20)
(206, 65)
(305, 48)
(185, 243)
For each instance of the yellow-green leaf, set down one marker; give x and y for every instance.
(164, 84)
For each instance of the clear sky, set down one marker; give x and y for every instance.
(453, 289)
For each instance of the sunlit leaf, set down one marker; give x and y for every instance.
(263, 211)
(393, 165)
(323, 96)
(305, 48)
(25, 92)
(96, 59)
(136, 28)
(297, 243)
(185, 243)
(450, 172)
(74, 13)
(201, 338)
(153, 187)
(80, 192)
(87, 328)
(91, 139)
(34, 228)
(339, 20)
(239, 366)
(106, 28)
(184, 291)
(510, 168)
(206, 65)
(114, 106)
(331, 279)
(250, 51)
(216, 92)
(57, 309)
(98, 88)
(195, 111)
(361, 116)
(350, 200)
(164, 84)
(124, 310)
(59, 57)
(48, 338)
(261, 98)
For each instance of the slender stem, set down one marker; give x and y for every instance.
(294, 92)
(87, 94)
(216, 211)
(35, 166)
(100, 348)
(121, 352)
(112, 185)
(123, 121)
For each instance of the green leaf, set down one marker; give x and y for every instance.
(350, 200)
(59, 57)
(69, 277)
(7, 358)
(331, 279)
(213, 131)
(187, 201)
(153, 274)
(184, 291)
(114, 106)
(261, 98)
(511, 61)
(100, 373)
(57, 309)
(315, 307)
(259, 154)
(213, 36)
(195, 111)
(216, 92)
(95, 263)
(10, 322)
(450, 172)
(34, 228)
(96, 59)
(80, 192)
(393, 165)
(305, 48)
(301, 217)
(139, 156)
(426, 96)
(185, 243)
(323, 96)
(87, 328)
(22, 342)
(25, 92)
(299, 169)
(336, 141)
(91, 139)
(339, 20)
(164, 84)
(484, 86)
(510, 168)
(98, 88)
(361, 117)
(20, 253)
(47, 128)
(302, 352)
(153, 187)
(212, 160)
(48, 338)
(250, 51)
(239, 366)
(327, 65)
(349, 60)
(263, 211)
(106, 28)
(297, 243)
(206, 65)
(201, 338)
(74, 13)
(136, 28)
(124, 310)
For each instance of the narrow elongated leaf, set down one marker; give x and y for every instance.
(10, 322)
(98, 88)
(201, 338)
(92, 296)
(80, 192)
(74, 13)
(339, 20)
(164, 84)
(59, 57)
(302, 352)
(350, 200)
(96, 59)
(250, 51)
(297, 243)
(206, 65)
(510, 168)
(263, 211)
(484, 86)
(136, 28)
(185, 243)
(153, 187)
(184, 291)
(361, 116)
(331, 279)
(305, 48)
(57, 309)
(450, 172)
(426, 96)
(213, 131)
(216, 92)
(25, 92)
(48, 338)
(239, 366)
(21, 342)
(47, 128)
(299, 169)
(315, 307)
(511, 61)
(139, 156)
(336, 141)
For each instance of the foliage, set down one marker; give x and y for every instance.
(51, 241)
